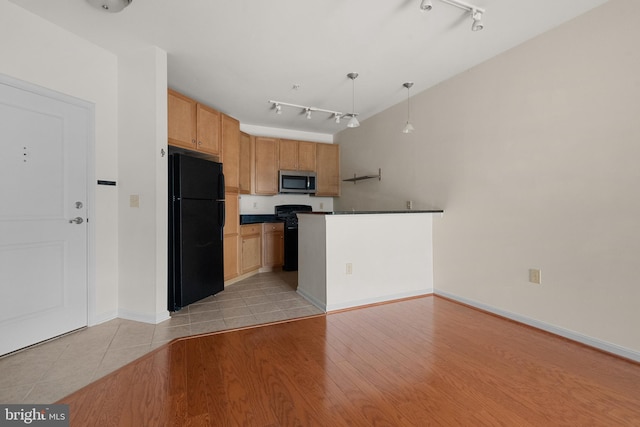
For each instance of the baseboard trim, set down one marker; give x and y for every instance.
(605, 346)
(376, 300)
(143, 317)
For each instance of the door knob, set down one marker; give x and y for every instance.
(77, 220)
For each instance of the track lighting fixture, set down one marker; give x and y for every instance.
(335, 115)
(353, 122)
(408, 127)
(426, 5)
(277, 106)
(477, 20)
(474, 11)
(112, 6)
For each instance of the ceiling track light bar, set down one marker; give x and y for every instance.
(277, 105)
(462, 5)
(475, 11)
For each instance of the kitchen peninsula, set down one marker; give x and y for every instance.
(353, 258)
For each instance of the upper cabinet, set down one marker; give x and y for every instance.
(192, 125)
(246, 160)
(231, 153)
(328, 169)
(265, 166)
(297, 155)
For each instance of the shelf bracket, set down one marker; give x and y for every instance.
(357, 178)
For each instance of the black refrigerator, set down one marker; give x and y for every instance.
(196, 219)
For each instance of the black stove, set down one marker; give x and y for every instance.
(287, 213)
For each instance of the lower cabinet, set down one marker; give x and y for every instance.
(251, 247)
(230, 256)
(272, 245)
(231, 236)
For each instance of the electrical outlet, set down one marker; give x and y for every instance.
(134, 201)
(321, 205)
(409, 204)
(349, 269)
(534, 276)
(255, 205)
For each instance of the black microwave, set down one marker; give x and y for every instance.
(300, 182)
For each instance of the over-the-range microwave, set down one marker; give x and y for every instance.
(299, 182)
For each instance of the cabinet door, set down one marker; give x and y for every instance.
(288, 154)
(273, 245)
(181, 120)
(266, 160)
(244, 179)
(306, 156)
(231, 256)
(208, 130)
(231, 152)
(231, 236)
(328, 169)
(251, 248)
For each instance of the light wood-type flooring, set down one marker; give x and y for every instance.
(418, 362)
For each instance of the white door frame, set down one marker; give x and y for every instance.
(91, 181)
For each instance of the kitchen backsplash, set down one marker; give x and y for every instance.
(265, 204)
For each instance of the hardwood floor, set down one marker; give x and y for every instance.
(423, 361)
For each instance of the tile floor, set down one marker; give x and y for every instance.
(47, 372)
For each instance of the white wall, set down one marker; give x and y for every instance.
(143, 174)
(38, 52)
(533, 155)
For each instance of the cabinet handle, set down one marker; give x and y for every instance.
(199, 142)
(193, 141)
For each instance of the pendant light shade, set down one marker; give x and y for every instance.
(408, 127)
(353, 122)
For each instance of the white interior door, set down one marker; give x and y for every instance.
(43, 214)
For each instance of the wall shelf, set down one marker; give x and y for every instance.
(357, 178)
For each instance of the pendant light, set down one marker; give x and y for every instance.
(353, 122)
(408, 128)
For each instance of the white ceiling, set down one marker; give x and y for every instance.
(236, 55)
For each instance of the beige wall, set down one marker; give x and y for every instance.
(533, 155)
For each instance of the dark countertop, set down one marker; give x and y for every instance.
(372, 212)
(258, 219)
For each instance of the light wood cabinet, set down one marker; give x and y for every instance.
(251, 247)
(231, 236)
(327, 169)
(231, 257)
(192, 125)
(266, 166)
(231, 152)
(272, 245)
(246, 160)
(297, 155)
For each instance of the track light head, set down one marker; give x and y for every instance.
(308, 112)
(426, 5)
(336, 116)
(278, 108)
(477, 25)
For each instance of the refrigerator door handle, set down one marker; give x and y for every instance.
(222, 214)
(221, 186)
